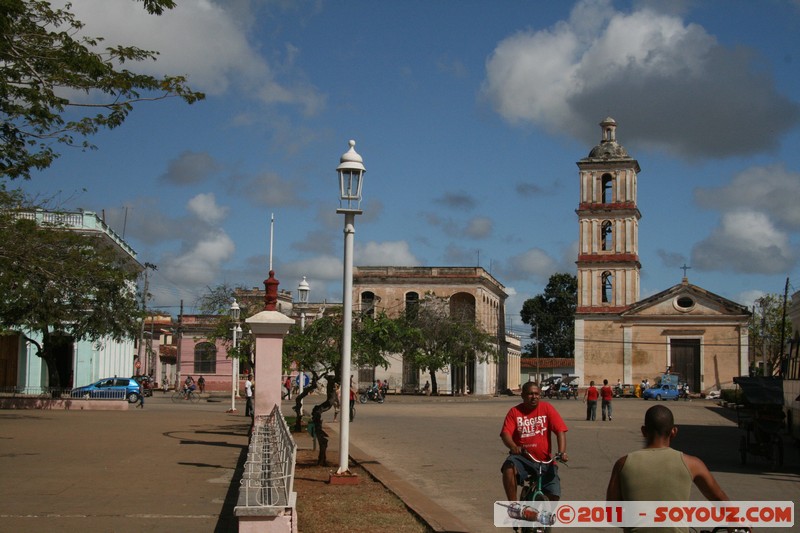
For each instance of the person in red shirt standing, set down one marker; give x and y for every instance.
(605, 396)
(528, 426)
(590, 399)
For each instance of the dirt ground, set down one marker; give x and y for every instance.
(366, 507)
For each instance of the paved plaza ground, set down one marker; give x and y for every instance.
(171, 467)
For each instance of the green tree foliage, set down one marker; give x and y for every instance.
(554, 314)
(60, 282)
(768, 328)
(435, 337)
(44, 60)
(316, 351)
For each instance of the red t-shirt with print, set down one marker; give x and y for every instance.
(530, 428)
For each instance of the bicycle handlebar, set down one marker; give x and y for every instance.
(556, 457)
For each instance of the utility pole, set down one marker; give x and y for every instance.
(783, 328)
(764, 370)
(143, 366)
(178, 349)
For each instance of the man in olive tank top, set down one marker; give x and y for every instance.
(659, 473)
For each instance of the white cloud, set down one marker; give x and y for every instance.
(204, 207)
(395, 253)
(323, 267)
(773, 190)
(749, 298)
(638, 66)
(747, 242)
(200, 264)
(204, 40)
(534, 263)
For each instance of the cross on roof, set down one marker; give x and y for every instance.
(685, 268)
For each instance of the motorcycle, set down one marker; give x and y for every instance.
(371, 395)
(568, 391)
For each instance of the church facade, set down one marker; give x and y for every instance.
(683, 329)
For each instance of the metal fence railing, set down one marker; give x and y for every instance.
(57, 393)
(268, 478)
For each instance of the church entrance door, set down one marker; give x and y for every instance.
(685, 357)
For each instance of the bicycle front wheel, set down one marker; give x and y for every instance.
(194, 397)
(541, 501)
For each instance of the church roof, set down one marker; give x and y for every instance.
(608, 150)
(692, 294)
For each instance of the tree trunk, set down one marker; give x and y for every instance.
(320, 434)
(49, 357)
(434, 385)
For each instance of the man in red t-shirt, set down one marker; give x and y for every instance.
(605, 399)
(528, 426)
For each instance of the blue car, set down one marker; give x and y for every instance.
(662, 392)
(110, 389)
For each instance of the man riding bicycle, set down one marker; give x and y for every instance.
(528, 426)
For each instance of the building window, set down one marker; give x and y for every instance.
(607, 190)
(412, 305)
(368, 303)
(205, 358)
(684, 303)
(607, 236)
(607, 281)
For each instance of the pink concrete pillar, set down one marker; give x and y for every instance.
(269, 328)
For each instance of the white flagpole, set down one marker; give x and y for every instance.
(271, 230)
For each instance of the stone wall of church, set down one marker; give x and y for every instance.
(647, 355)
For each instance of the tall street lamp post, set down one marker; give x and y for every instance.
(234, 312)
(302, 295)
(351, 171)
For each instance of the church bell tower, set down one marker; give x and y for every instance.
(608, 219)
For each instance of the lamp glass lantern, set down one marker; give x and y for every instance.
(302, 292)
(234, 310)
(351, 179)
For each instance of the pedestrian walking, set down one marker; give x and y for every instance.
(590, 399)
(336, 402)
(605, 397)
(248, 392)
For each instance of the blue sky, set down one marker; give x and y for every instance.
(470, 117)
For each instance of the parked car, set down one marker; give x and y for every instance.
(714, 395)
(668, 391)
(110, 389)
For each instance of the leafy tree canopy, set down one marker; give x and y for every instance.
(44, 59)
(768, 329)
(316, 350)
(553, 312)
(55, 280)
